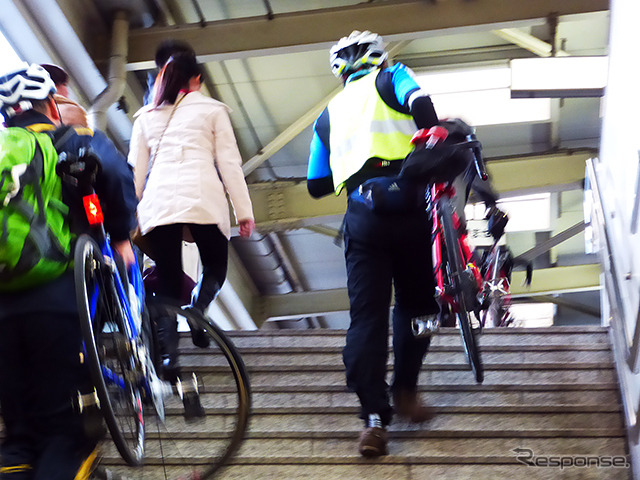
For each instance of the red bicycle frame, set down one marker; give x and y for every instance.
(439, 190)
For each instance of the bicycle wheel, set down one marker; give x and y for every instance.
(462, 281)
(197, 448)
(497, 312)
(108, 351)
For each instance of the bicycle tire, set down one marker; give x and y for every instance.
(105, 341)
(457, 269)
(495, 314)
(188, 450)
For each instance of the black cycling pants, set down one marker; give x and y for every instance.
(381, 251)
(40, 375)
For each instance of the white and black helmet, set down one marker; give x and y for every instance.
(358, 50)
(21, 85)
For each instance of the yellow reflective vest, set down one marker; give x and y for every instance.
(364, 127)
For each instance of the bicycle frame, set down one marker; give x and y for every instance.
(133, 318)
(443, 289)
(489, 287)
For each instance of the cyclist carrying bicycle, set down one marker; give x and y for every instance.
(359, 143)
(41, 362)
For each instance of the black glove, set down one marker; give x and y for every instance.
(497, 221)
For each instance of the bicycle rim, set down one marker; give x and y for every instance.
(109, 360)
(185, 450)
(495, 314)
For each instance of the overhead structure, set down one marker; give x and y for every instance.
(395, 20)
(268, 62)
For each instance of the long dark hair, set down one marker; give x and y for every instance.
(175, 76)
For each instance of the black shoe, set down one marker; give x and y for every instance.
(93, 423)
(188, 391)
(198, 337)
(170, 370)
(193, 409)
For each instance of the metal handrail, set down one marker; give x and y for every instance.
(625, 352)
(608, 261)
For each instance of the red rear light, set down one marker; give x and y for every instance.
(92, 209)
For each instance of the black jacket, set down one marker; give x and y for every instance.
(116, 191)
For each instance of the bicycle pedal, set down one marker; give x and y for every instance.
(88, 406)
(425, 326)
(84, 401)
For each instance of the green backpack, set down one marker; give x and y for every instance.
(35, 240)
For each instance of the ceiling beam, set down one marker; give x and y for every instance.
(547, 172)
(312, 29)
(323, 302)
(528, 42)
(285, 205)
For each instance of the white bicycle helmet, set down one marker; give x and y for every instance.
(21, 85)
(358, 50)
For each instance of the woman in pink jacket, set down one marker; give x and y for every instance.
(186, 161)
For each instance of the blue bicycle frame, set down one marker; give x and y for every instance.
(132, 319)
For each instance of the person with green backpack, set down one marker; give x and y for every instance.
(41, 363)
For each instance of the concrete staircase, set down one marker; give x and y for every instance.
(552, 393)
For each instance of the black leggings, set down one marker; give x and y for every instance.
(213, 247)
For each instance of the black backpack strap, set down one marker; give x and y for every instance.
(40, 233)
(61, 136)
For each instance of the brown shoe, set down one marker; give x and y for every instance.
(407, 404)
(373, 442)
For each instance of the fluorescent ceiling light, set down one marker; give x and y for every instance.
(559, 77)
(526, 213)
(491, 107)
(529, 212)
(481, 96)
(465, 79)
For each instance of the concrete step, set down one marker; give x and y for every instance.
(461, 448)
(490, 422)
(388, 469)
(446, 337)
(484, 399)
(435, 395)
(443, 375)
(420, 450)
(437, 355)
(552, 392)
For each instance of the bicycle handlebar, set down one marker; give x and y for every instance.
(436, 135)
(79, 170)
